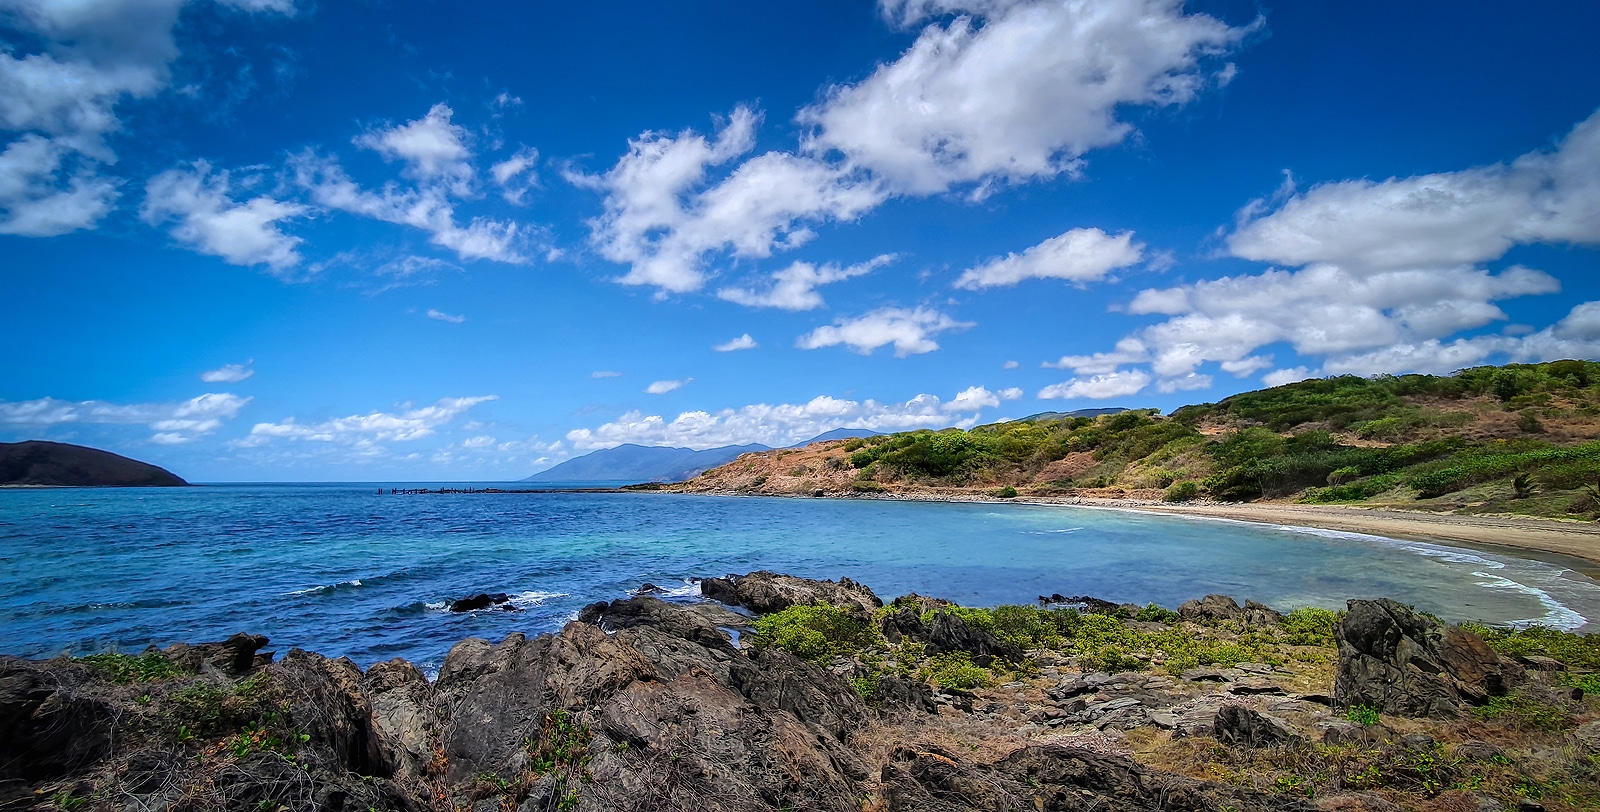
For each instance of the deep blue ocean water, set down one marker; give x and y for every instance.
(343, 570)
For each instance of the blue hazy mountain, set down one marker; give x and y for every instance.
(639, 463)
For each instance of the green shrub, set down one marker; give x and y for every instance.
(126, 668)
(817, 633)
(1576, 650)
(1007, 492)
(1181, 492)
(955, 669)
(1366, 715)
(1309, 626)
(1154, 613)
(1525, 712)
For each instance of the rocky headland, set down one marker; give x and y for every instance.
(788, 693)
(41, 463)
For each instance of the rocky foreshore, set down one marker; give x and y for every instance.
(785, 693)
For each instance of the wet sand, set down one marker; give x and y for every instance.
(1570, 543)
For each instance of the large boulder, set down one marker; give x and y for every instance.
(405, 716)
(765, 592)
(948, 632)
(1404, 663)
(928, 778)
(1222, 607)
(234, 657)
(1247, 727)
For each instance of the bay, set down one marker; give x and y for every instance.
(345, 570)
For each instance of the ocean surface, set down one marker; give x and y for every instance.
(343, 570)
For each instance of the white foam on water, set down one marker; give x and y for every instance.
(690, 589)
(533, 597)
(1557, 614)
(1062, 530)
(317, 590)
(436, 606)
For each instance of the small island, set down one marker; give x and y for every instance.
(41, 463)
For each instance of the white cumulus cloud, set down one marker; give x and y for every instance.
(1116, 384)
(61, 77)
(910, 331)
(1016, 91)
(210, 221)
(365, 431)
(1079, 255)
(775, 425)
(173, 422)
(662, 217)
(229, 373)
(1383, 276)
(795, 287)
(743, 342)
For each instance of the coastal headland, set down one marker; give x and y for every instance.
(774, 692)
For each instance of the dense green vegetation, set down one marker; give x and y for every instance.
(1510, 437)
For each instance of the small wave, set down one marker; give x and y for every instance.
(532, 598)
(1556, 616)
(326, 588)
(689, 589)
(1047, 532)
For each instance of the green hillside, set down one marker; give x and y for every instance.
(1518, 438)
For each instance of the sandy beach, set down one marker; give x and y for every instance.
(1576, 544)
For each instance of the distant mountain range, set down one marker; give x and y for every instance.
(40, 462)
(638, 463)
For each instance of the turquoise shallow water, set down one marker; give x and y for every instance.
(342, 570)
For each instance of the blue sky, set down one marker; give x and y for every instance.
(288, 240)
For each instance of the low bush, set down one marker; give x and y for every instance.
(126, 668)
(1182, 492)
(955, 669)
(1576, 650)
(1309, 626)
(817, 633)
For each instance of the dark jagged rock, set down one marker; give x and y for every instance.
(766, 592)
(899, 694)
(1211, 607)
(948, 632)
(919, 604)
(815, 696)
(235, 656)
(40, 462)
(1239, 725)
(1056, 777)
(481, 601)
(1404, 663)
(903, 623)
(689, 623)
(405, 716)
(1087, 603)
(49, 727)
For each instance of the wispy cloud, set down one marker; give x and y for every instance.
(663, 387)
(229, 373)
(366, 430)
(441, 316)
(744, 342)
(174, 422)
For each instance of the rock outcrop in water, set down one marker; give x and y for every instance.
(643, 704)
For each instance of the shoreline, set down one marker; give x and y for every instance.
(1574, 545)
